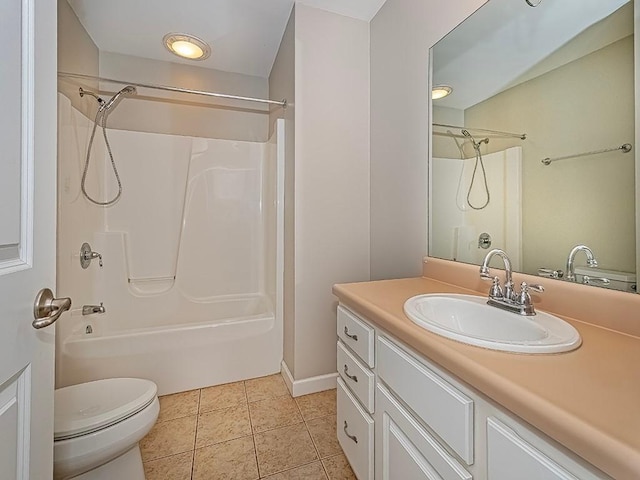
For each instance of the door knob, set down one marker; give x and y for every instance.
(47, 309)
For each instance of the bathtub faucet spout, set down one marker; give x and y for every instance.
(91, 309)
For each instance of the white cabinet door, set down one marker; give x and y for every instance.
(405, 450)
(510, 457)
(27, 234)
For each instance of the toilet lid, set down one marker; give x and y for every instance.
(88, 407)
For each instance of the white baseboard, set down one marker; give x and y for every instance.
(308, 385)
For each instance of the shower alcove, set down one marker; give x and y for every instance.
(192, 256)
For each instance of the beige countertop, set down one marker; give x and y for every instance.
(588, 400)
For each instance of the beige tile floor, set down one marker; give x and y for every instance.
(245, 431)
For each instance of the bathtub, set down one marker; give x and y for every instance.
(193, 261)
(237, 340)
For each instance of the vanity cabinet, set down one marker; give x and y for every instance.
(400, 416)
(355, 392)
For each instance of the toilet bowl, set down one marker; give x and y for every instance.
(97, 427)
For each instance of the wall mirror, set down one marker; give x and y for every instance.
(533, 143)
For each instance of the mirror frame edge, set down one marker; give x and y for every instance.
(636, 54)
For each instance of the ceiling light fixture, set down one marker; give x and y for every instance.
(186, 46)
(440, 91)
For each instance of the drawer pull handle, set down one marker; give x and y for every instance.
(346, 332)
(352, 377)
(352, 437)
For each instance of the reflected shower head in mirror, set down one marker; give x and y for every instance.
(476, 145)
(128, 90)
(84, 92)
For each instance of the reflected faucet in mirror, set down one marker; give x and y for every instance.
(591, 260)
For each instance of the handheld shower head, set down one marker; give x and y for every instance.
(476, 145)
(128, 90)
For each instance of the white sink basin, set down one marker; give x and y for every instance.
(468, 319)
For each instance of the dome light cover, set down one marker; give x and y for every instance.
(186, 46)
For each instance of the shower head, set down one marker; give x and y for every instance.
(128, 90)
(473, 140)
(84, 92)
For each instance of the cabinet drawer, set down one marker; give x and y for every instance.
(355, 433)
(356, 376)
(447, 411)
(404, 449)
(356, 334)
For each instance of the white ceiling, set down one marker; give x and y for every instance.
(497, 46)
(244, 35)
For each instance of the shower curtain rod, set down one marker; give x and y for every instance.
(282, 103)
(521, 136)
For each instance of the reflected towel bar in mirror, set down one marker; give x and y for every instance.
(624, 148)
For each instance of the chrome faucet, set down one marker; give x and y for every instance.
(508, 299)
(591, 260)
(508, 281)
(91, 309)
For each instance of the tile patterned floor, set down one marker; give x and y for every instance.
(245, 431)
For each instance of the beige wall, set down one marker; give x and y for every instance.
(186, 114)
(76, 54)
(401, 34)
(582, 106)
(282, 86)
(331, 177)
(77, 219)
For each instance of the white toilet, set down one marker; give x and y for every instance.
(98, 426)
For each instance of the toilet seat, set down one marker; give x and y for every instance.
(89, 407)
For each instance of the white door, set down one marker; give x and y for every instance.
(27, 234)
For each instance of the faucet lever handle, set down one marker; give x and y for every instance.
(549, 273)
(535, 287)
(496, 289)
(524, 299)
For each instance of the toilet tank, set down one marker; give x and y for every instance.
(623, 281)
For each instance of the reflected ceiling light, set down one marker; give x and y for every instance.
(440, 91)
(186, 46)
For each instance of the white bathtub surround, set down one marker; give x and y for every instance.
(459, 224)
(192, 256)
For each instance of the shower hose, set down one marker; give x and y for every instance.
(101, 116)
